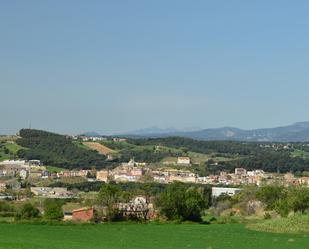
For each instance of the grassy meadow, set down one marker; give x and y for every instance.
(296, 223)
(138, 236)
(300, 153)
(12, 149)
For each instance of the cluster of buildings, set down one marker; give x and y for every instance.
(140, 207)
(52, 193)
(33, 169)
(255, 177)
(135, 172)
(240, 177)
(23, 169)
(168, 175)
(291, 180)
(85, 138)
(126, 172)
(139, 172)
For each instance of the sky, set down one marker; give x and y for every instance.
(72, 66)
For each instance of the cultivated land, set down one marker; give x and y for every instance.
(101, 149)
(138, 236)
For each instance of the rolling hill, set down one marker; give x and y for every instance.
(298, 132)
(57, 150)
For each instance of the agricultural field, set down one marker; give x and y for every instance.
(300, 153)
(297, 223)
(138, 236)
(118, 145)
(100, 148)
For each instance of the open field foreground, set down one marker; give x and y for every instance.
(135, 236)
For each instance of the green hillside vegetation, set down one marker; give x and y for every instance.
(3, 153)
(300, 153)
(198, 158)
(13, 147)
(81, 145)
(57, 150)
(140, 236)
(54, 169)
(8, 150)
(142, 153)
(118, 146)
(155, 153)
(232, 154)
(204, 147)
(212, 156)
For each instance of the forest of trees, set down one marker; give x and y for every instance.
(57, 150)
(147, 155)
(206, 147)
(252, 154)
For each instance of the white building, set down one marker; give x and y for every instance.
(35, 163)
(23, 173)
(14, 162)
(240, 171)
(217, 191)
(48, 192)
(183, 161)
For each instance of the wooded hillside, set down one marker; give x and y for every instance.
(57, 150)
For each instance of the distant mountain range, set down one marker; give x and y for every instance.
(157, 130)
(298, 132)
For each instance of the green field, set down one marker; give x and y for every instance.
(138, 236)
(55, 169)
(12, 148)
(296, 223)
(300, 153)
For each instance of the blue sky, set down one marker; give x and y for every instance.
(111, 66)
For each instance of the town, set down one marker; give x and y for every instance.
(154, 124)
(139, 172)
(48, 177)
(13, 173)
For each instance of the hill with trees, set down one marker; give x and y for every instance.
(270, 157)
(61, 151)
(57, 150)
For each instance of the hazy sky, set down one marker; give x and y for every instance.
(110, 66)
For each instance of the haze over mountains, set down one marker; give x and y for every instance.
(298, 132)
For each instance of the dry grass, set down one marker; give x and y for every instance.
(102, 149)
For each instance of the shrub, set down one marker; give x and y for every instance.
(52, 210)
(27, 212)
(181, 203)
